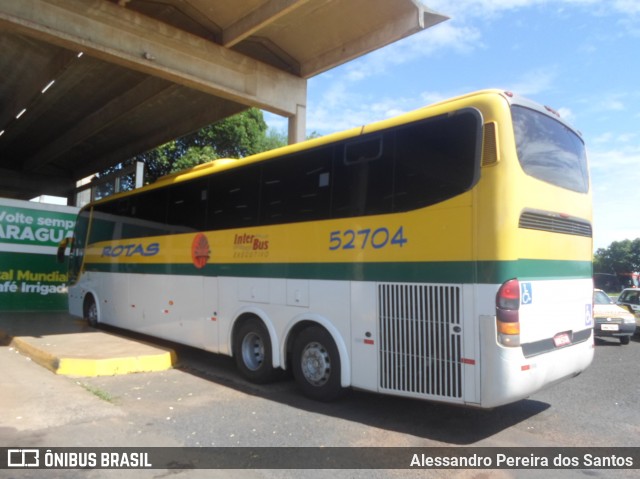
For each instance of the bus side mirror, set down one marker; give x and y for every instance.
(62, 247)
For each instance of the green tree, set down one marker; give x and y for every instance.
(274, 139)
(618, 257)
(238, 136)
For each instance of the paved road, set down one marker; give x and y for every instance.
(204, 402)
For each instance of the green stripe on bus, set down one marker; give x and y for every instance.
(490, 272)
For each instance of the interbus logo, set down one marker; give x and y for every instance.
(23, 458)
(200, 251)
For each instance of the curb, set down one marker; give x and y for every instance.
(151, 359)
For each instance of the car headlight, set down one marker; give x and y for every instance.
(630, 320)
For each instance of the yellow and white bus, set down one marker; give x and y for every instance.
(444, 255)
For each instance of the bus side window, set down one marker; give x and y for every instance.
(188, 206)
(297, 188)
(234, 198)
(363, 170)
(148, 215)
(436, 159)
(363, 150)
(106, 224)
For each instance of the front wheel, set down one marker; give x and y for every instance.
(90, 311)
(316, 364)
(252, 350)
(625, 339)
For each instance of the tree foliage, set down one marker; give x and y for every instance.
(238, 136)
(618, 257)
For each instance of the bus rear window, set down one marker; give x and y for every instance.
(549, 151)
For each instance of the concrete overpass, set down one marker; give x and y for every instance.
(86, 84)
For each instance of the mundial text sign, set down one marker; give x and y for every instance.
(31, 279)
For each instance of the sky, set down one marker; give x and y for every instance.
(580, 57)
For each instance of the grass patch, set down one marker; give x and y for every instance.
(99, 393)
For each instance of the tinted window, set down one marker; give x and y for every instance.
(549, 151)
(436, 159)
(234, 198)
(363, 150)
(148, 214)
(363, 176)
(400, 169)
(134, 216)
(297, 188)
(108, 219)
(187, 208)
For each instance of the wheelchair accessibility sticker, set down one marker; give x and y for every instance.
(526, 293)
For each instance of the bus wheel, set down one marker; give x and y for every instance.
(252, 350)
(91, 311)
(316, 364)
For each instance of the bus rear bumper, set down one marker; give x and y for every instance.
(510, 376)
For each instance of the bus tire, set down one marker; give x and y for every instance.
(90, 311)
(253, 353)
(316, 364)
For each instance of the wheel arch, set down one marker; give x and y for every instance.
(250, 313)
(304, 321)
(90, 295)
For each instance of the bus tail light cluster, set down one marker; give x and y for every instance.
(507, 313)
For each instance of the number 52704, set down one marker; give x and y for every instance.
(366, 238)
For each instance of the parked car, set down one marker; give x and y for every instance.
(610, 319)
(630, 300)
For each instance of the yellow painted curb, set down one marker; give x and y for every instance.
(88, 367)
(115, 366)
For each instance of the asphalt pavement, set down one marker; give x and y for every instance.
(203, 401)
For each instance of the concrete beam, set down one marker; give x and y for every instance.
(215, 110)
(31, 185)
(257, 19)
(48, 65)
(98, 121)
(405, 25)
(115, 34)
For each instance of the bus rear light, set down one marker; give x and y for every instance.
(507, 313)
(509, 340)
(508, 297)
(508, 328)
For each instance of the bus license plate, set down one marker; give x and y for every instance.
(609, 327)
(561, 339)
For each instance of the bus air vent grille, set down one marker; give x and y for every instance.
(490, 145)
(420, 340)
(554, 223)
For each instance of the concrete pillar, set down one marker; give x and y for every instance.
(298, 125)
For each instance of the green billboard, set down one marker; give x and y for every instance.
(31, 279)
